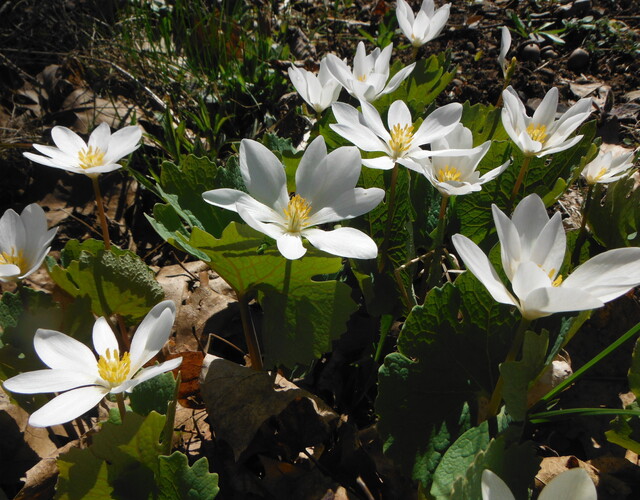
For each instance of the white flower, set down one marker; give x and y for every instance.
(606, 168)
(24, 242)
(74, 369)
(98, 156)
(532, 249)
(572, 484)
(320, 91)
(542, 134)
(456, 174)
(368, 80)
(426, 25)
(325, 193)
(399, 143)
(505, 45)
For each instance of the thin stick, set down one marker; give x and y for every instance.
(516, 188)
(101, 215)
(496, 397)
(121, 407)
(582, 235)
(250, 335)
(390, 210)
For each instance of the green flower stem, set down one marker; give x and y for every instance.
(582, 235)
(390, 211)
(414, 52)
(546, 416)
(434, 270)
(516, 188)
(386, 321)
(250, 335)
(496, 397)
(121, 407)
(101, 215)
(578, 373)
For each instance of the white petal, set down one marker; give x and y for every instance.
(104, 338)
(59, 351)
(510, 243)
(560, 147)
(67, 141)
(224, 198)
(343, 242)
(40, 381)
(398, 78)
(438, 124)
(545, 301)
(122, 143)
(146, 374)
(296, 75)
(339, 70)
(9, 272)
(68, 406)
(152, 334)
(529, 277)
(273, 230)
(373, 121)
(494, 488)
(263, 174)
(608, 275)
(359, 135)
(478, 263)
(310, 173)
(492, 174)
(12, 233)
(350, 204)
(546, 112)
(380, 163)
(529, 218)
(549, 248)
(43, 160)
(399, 114)
(100, 136)
(573, 484)
(290, 246)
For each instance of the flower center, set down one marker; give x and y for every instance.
(537, 132)
(297, 213)
(17, 259)
(449, 174)
(401, 138)
(556, 282)
(362, 78)
(91, 157)
(592, 179)
(114, 370)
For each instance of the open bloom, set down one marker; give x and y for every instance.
(325, 193)
(24, 242)
(320, 91)
(399, 143)
(74, 369)
(505, 45)
(100, 155)
(573, 484)
(368, 80)
(426, 25)
(532, 249)
(542, 134)
(456, 174)
(606, 168)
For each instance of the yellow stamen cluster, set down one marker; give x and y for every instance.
(592, 179)
(362, 78)
(537, 132)
(401, 138)
(556, 282)
(297, 213)
(114, 369)
(15, 258)
(449, 174)
(91, 157)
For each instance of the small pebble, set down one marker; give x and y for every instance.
(578, 60)
(549, 53)
(530, 52)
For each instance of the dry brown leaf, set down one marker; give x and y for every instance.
(240, 401)
(552, 466)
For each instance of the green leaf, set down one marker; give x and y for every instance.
(130, 453)
(443, 367)
(178, 481)
(634, 371)
(484, 121)
(625, 430)
(82, 476)
(614, 217)
(302, 314)
(519, 375)
(460, 455)
(515, 463)
(427, 80)
(153, 394)
(116, 281)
